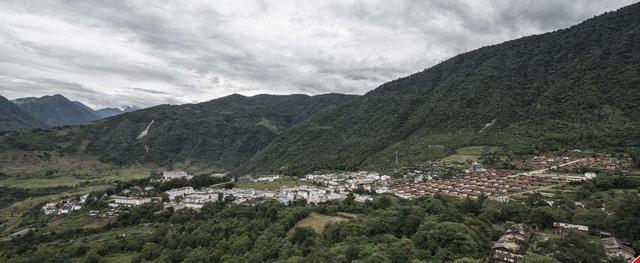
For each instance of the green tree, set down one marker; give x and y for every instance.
(537, 258)
(91, 257)
(542, 217)
(467, 260)
(575, 247)
(451, 240)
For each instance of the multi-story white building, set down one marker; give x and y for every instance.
(170, 175)
(130, 201)
(173, 193)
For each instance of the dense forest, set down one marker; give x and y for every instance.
(573, 88)
(388, 229)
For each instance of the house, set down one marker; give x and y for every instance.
(170, 175)
(616, 248)
(509, 248)
(562, 228)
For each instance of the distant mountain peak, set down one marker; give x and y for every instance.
(56, 110)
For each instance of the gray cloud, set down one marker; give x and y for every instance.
(143, 53)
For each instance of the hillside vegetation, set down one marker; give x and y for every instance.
(573, 88)
(224, 132)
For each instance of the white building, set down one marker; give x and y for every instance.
(589, 175)
(130, 201)
(173, 193)
(170, 175)
(49, 208)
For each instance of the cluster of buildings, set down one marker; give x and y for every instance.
(509, 248)
(541, 162)
(431, 170)
(188, 197)
(473, 183)
(65, 206)
(600, 163)
(346, 182)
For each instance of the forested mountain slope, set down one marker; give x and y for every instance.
(577, 87)
(223, 132)
(14, 118)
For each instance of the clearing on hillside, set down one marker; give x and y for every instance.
(319, 221)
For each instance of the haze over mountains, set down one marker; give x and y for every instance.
(49, 111)
(572, 88)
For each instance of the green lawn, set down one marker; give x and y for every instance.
(18, 182)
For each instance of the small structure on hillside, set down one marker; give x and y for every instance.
(509, 248)
(563, 228)
(614, 247)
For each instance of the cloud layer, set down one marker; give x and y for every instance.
(143, 53)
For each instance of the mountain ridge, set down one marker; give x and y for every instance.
(57, 110)
(14, 118)
(224, 132)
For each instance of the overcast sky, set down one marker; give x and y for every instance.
(143, 53)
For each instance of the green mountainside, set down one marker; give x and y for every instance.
(572, 88)
(14, 118)
(224, 132)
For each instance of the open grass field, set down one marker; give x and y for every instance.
(319, 222)
(469, 154)
(17, 182)
(41, 169)
(77, 220)
(270, 185)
